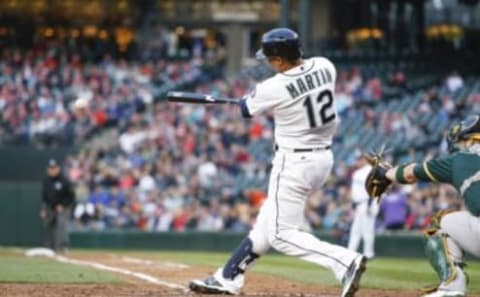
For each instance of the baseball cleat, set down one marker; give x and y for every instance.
(445, 293)
(209, 286)
(454, 288)
(351, 280)
(429, 288)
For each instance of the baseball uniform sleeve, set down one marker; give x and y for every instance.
(244, 108)
(436, 170)
(358, 192)
(259, 100)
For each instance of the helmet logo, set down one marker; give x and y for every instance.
(455, 129)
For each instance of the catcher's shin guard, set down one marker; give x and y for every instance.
(446, 264)
(437, 252)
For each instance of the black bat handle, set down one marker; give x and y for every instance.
(226, 100)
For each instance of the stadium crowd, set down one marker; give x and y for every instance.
(150, 165)
(194, 167)
(38, 87)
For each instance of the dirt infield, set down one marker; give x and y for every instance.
(257, 284)
(142, 290)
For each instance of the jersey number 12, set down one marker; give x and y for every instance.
(326, 113)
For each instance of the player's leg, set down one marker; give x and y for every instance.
(50, 223)
(368, 230)
(230, 278)
(61, 233)
(449, 235)
(299, 175)
(464, 229)
(250, 249)
(355, 230)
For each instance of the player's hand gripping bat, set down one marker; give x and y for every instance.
(197, 98)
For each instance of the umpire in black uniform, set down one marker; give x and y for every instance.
(57, 199)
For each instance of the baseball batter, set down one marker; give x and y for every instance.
(301, 98)
(365, 209)
(451, 233)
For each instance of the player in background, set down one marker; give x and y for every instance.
(301, 98)
(365, 210)
(451, 233)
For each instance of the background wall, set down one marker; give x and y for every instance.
(20, 225)
(23, 168)
(406, 245)
(27, 163)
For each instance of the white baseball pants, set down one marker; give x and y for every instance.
(463, 230)
(293, 178)
(363, 227)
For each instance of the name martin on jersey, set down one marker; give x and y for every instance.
(309, 82)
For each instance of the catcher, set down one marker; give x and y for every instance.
(451, 233)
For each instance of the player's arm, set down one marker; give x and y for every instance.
(436, 170)
(257, 101)
(244, 108)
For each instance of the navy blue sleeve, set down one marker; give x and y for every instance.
(244, 109)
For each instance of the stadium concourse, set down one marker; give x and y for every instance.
(150, 165)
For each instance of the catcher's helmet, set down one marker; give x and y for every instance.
(466, 129)
(280, 42)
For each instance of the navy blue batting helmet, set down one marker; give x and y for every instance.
(280, 42)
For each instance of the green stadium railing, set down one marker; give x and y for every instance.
(20, 225)
(390, 245)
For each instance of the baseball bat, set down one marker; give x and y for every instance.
(198, 98)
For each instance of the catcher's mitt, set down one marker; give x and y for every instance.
(377, 183)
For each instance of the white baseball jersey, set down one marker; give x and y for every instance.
(302, 100)
(358, 192)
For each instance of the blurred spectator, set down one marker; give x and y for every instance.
(207, 173)
(454, 82)
(52, 97)
(393, 209)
